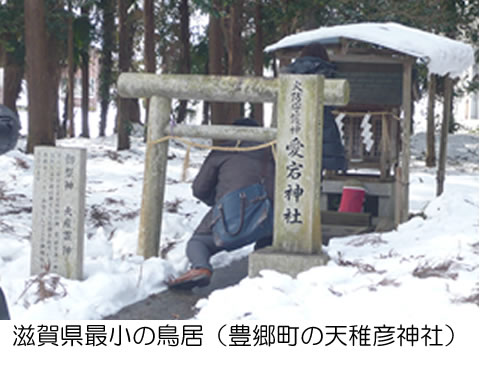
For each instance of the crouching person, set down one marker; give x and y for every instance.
(230, 182)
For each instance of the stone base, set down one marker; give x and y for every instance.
(289, 263)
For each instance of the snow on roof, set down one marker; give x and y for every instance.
(442, 55)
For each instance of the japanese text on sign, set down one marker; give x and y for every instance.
(295, 150)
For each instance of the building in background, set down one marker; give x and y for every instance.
(93, 83)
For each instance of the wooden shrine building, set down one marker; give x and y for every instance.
(378, 61)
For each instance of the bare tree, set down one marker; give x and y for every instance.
(185, 61)
(85, 57)
(225, 38)
(12, 51)
(12, 79)
(106, 60)
(258, 112)
(149, 42)
(71, 71)
(40, 127)
(216, 65)
(235, 51)
(124, 63)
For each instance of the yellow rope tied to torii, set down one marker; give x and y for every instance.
(190, 144)
(214, 147)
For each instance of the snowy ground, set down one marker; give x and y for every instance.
(429, 263)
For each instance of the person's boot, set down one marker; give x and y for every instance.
(192, 278)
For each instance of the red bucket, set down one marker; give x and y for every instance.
(352, 199)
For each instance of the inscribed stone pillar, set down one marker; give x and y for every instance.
(297, 218)
(297, 226)
(58, 211)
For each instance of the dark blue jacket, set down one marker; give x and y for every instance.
(333, 157)
(223, 172)
(9, 129)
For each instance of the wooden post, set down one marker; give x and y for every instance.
(404, 177)
(443, 142)
(155, 171)
(385, 154)
(430, 158)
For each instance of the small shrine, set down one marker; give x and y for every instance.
(378, 61)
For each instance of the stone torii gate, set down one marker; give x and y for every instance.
(300, 99)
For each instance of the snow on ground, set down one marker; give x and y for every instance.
(432, 261)
(429, 263)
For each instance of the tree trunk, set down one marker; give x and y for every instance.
(284, 29)
(258, 112)
(62, 127)
(106, 61)
(216, 66)
(124, 60)
(85, 97)
(12, 79)
(56, 55)
(85, 86)
(12, 58)
(235, 53)
(134, 111)
(149, 42)
(71, 72)
(149, 36)
(40, 129)
(185, 61)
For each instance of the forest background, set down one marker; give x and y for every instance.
(41, 39)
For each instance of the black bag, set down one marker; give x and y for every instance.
(242, 217)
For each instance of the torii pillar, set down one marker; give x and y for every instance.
(297, 242)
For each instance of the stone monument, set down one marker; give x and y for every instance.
(58, 211)
(297, 221)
